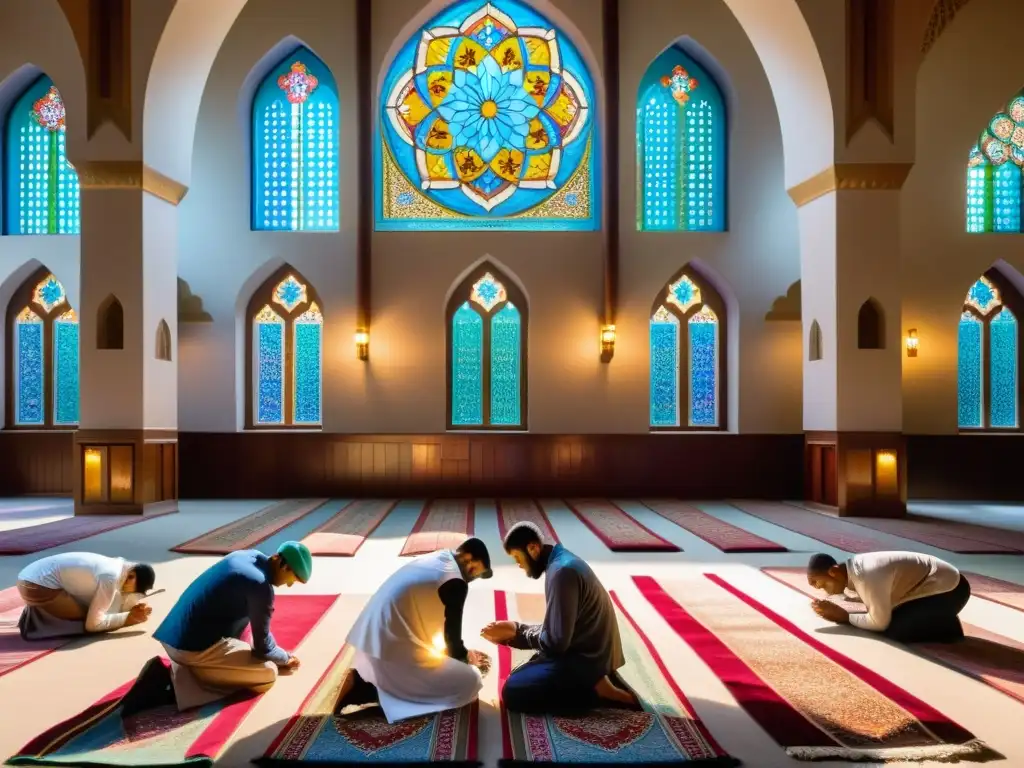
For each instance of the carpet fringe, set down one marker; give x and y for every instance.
(975, 751)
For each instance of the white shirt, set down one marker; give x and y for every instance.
(885, 580)
(94, 581)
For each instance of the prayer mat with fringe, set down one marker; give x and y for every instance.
(619, 531)
(344, 533)
(246, 532)
(443, 524)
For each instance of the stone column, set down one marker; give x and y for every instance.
(125, 452)
(853, 340)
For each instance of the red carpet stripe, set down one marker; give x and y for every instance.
(248, 531)
(718, 533)
(35, 538)
(442, 524)
(512, 511)
(618, 530)
(344, 533)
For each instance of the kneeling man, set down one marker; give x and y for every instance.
(578, 645)
(201, 635)
(910, 598)
(78, 592)
(409, 651)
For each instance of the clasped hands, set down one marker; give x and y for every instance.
(829, 611)
(138, 614)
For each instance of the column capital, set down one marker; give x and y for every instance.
(129, 174)
(852, 176)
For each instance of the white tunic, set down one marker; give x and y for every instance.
(395, 638)
(885, 580)
(94, 581)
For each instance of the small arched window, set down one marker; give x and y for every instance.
(42, 356)
(486, 327)
(814, 342)
(994, 172)
(284, 364)
(870, 326)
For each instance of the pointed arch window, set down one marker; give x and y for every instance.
(989, 356)
(42, 356)
(681, 147)
(284, 367)
(487, 326)
(994, 175)
(687, 357)
(295, 134)
(41, 195)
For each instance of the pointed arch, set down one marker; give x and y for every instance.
(814, 350)
(450, 157)
(681, 139)
(163, 341)
(871, 325)
(994, 175)
(989, 355)
(110, 324)
(41, 193)
(486, 326)
(42, 356)
(284, 354)
(295, 125)
(688, 354)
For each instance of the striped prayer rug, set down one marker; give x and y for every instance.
(165, 737)
(35, 538)
(512, 511)
(718, 533)
(344, 533)
(815, 702)
(443, 524)
(834, 533)
(986, 656)
(666, 732)
(248, 531)
(619, 531)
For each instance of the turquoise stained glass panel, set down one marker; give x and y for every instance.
(467, 395)
(29, 366)
(65, 369)
(703, 371)
(506, 367)
(977, 197)
(664, 343)
(308, 367)
(269, 372)
(970, 373)
(1006, 183)
(1003, 370)
(661, 159)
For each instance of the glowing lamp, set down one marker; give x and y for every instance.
(607, 343)
(912, 342)
(886, 458)
(363, 345)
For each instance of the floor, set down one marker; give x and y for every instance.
(77, 676)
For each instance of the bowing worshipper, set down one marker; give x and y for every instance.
(578, 648)
(75, 593)
(409, 655)
(909, 597)
(202, 633)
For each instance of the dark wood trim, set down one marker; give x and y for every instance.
(23, 298)
(716, 303)
(364, 166)
(461, 295)
(261, 297)
(610, 37)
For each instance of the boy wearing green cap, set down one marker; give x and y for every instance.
(201, 635)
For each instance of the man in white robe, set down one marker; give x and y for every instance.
(408, 639)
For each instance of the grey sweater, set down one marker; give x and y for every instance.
(579, 618)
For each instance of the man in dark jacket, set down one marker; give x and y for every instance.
(578, 645)
(201, 635)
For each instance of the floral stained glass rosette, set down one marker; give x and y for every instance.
(491, 119)
(994, 173)
(1003, 139)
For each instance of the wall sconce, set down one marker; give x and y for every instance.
(912, 342)
(607, 343)
(363, 345)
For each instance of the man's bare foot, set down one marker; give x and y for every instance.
(347, 686)
(608, 691)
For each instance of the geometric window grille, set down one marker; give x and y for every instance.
(988, 359)
(994, 175)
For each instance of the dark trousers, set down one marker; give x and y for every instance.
(543, 686)
(932, 619)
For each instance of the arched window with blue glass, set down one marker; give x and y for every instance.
(42, 356)
(284, 354)
(681, 147)
(488, 121)
(687, 355)
(486, 322)
(295, 135)
(994, 176)
(989, 355)
(41, 195)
